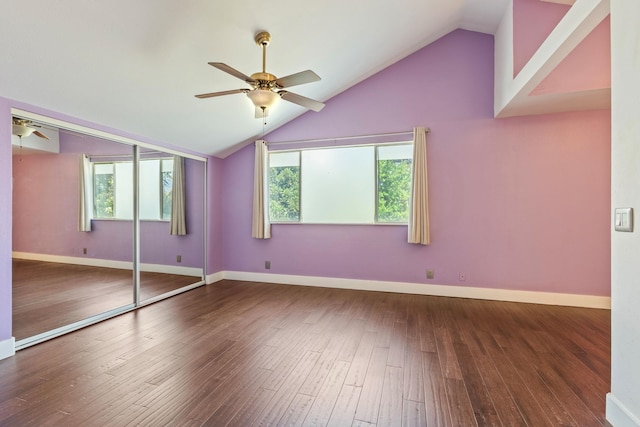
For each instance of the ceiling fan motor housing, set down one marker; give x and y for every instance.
(264, 81)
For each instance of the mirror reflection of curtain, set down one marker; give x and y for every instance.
(85, 194)
(178, 214)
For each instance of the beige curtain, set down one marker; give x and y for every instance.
(260, 227)
(178, 205)
(419, 209)
(85, 205)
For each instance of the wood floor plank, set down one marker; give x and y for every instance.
(397, 345)
(323, 405)
(554, 409)
(369, 403)
(223, 405)
(484, 409)
(277, 407)
(251, 410)
(390, 414)
(581, 413)
(244, 354)
(505, 406)
(345, 407)
(413, 380)
(322, 369)
(446, 351)
(527, 403)
(356, 332)
(226, 385)
(413, 414)
(425, 329)
(462, 413)
(436, 403)
(361, 359)
(287, 358)
(385, 331)
(585, 386)
(297, 411)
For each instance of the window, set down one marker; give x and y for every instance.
(347, 185)
(394, 182)
(113, 189)
(284, 186)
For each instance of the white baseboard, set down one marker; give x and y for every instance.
(171, 269)
(618, 415)
(96, 262)
(547, 298)
(7, 348)
(215, 277)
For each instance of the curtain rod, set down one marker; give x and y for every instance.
(342, 138)
(128, 156)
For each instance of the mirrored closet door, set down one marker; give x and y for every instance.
(92, 221)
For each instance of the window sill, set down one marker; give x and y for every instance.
(130, 220)
(341, 223)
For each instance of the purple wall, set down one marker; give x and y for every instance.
(215, 251)
(5, 220)
(45, 211)
(519, 203)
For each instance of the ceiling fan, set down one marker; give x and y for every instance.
(23, 128)
(266, 89)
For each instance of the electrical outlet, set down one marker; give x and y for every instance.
(462, 277)
(430, 274)
(84, 251)
(267, 265)
(179, 258)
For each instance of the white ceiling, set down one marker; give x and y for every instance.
(136, 65)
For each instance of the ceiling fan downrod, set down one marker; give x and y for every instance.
(263, 39)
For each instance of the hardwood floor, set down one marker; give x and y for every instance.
(48, 295)
(244, 354)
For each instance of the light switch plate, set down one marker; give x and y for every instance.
(623, 219)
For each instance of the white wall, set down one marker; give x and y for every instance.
(623, 403)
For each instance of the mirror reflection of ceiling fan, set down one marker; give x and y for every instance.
(23, 128)
(266, 89)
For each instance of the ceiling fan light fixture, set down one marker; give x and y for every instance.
(263, 98)
(21, 130)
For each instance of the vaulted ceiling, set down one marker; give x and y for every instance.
(136, 65)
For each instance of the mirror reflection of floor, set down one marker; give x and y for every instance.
(49, 295)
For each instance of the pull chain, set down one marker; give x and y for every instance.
(20, 150)
(264, 120)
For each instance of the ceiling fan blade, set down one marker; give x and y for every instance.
(301, 100)
(230, 70)
(224, 92)
(300, 78)
(40, 134)
(260, 114)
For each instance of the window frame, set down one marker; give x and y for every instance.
(375, 177)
